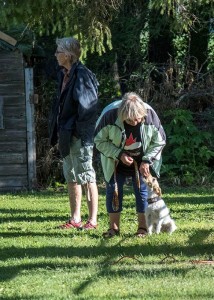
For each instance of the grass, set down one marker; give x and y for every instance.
(39, 261)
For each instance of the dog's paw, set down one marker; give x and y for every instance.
(149, 231)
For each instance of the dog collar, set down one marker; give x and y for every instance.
(152, 200)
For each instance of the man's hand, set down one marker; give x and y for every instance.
(144, 169)
(127, 160)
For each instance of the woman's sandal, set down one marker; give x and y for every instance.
(111, 232)
(141, 232)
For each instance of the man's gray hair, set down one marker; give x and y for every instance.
(70, 46)
(132, 107)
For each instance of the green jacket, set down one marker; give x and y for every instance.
(110, 138)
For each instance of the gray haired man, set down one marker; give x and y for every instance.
(72, 125)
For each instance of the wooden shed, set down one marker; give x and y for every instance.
(17, 133)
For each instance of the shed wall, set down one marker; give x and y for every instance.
(13, 145)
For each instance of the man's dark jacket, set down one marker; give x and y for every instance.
(74, 110)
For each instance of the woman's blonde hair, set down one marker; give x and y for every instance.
(132, 107)
(70, 46)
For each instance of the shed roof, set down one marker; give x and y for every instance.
(24, 41)
(8, 39)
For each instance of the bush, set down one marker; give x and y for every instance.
(188, 150)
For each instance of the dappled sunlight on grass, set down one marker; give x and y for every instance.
(40, 261)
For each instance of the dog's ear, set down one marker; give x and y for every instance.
(159, 192)
(147, 180)
(156, 186)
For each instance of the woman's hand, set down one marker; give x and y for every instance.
(144, 169)
(127, 160)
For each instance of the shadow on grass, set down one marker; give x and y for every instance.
(200, 236)
(41, 215)
(111, 253)
(38, 194)
(21, 298)
(37, 218)
(92, 252)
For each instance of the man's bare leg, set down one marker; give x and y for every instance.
(75, 197)
(92, 201)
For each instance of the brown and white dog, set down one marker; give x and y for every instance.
(157, 213)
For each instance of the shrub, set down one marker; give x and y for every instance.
(188, 150)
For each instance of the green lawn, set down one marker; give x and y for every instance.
(39, 261)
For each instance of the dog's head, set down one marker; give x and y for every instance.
(153, 184)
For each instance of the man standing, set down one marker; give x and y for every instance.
(72, 125)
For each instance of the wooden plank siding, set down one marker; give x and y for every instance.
(14, 100)
(13, 87)
(13, 183)
(5, 135)
(13, 136)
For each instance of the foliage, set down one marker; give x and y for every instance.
(183, 12)
(39, 261)
(188, 150)
(211, 50)
(91, 21)
(26, 41)
(181, 47)
(87, 20)
(152, 47)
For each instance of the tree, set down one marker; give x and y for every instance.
(150, 46)
(90, 20)
(87, 20)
